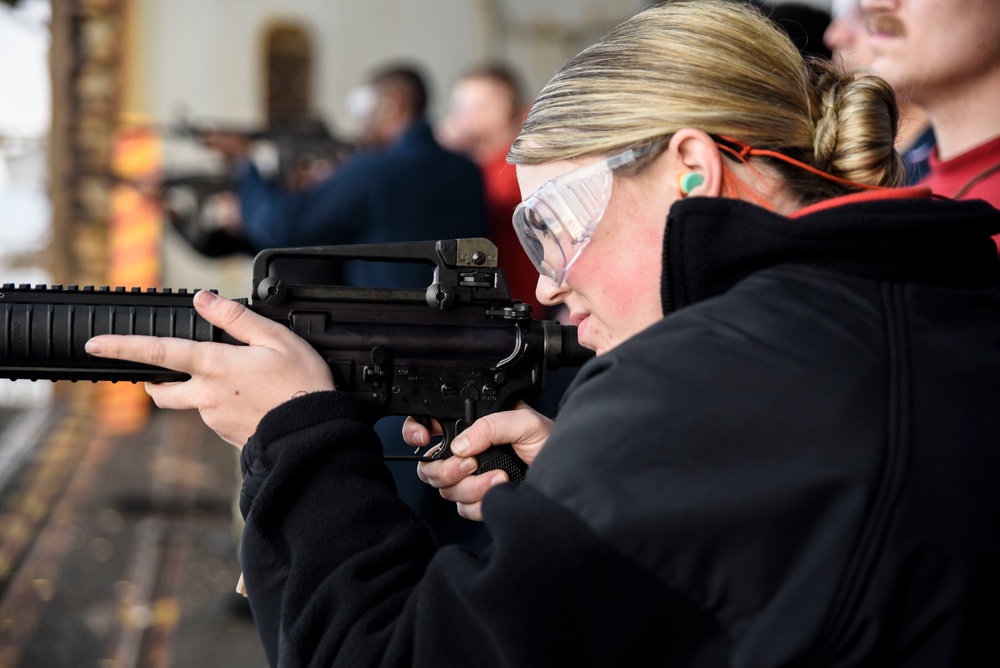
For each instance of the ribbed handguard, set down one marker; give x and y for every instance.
(46, 327)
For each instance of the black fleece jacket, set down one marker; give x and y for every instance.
(796, 466)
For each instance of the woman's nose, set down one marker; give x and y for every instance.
(548, 293)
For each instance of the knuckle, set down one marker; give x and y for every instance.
(231, 311)
(156, 353)
(482, 430)
(201, 358)
(470, 511)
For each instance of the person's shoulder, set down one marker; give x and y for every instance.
(359, 168)
(462, 164)
(455, 165)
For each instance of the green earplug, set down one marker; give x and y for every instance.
(689, 181)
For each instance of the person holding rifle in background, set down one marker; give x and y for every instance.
(401, 186)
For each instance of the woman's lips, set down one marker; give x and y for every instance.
(580, 320)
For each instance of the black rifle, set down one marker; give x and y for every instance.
(295, 142)
(455, 351)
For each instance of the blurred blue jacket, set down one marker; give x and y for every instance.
(414, 190)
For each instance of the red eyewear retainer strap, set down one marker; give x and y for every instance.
(745, 151)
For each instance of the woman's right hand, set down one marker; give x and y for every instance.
(524, 428)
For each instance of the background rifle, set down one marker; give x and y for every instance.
(458, 350)
(297, 143)
(302, 152)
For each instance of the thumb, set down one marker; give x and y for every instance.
(236, 319)
(523, 426)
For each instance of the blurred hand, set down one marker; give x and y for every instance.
(232, 145)
(524, 428)
(231, 386)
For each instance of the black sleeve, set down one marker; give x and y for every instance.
(341, 573)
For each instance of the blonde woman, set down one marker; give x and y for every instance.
(783, 454)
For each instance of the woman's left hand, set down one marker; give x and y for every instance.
(231, 386)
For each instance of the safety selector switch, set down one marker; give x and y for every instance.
(376, 373)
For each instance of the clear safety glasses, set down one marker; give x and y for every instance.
(554, 223)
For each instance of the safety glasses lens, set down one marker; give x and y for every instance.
(532, 224)
(555, 223)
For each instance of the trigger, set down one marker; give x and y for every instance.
(451, 430)
(433, 448)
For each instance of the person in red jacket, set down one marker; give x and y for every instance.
(847, 37)
(946, 55)
(484, 115)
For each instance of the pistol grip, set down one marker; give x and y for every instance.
(502, 457)
(497, 457)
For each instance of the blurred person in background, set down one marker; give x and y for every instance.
(847, 37)
(485, 111)
(945, 56)
(203, 207)
(401, 186)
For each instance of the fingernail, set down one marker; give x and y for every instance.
(418, 437)
(205, 297)
(499, 479)
(469, 465)
(459, 445)
(92, 347)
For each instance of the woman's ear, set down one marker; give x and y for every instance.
(697, 167)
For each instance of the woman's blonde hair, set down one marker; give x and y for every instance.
(722, 67)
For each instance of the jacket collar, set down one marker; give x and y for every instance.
(903, 234)
(418, 134)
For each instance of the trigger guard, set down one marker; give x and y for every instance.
(451, 430)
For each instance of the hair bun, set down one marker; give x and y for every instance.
(856, 126)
